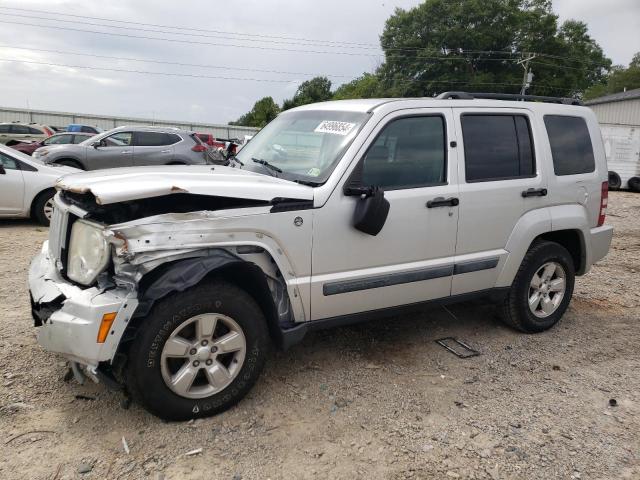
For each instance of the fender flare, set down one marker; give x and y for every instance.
(183, 274)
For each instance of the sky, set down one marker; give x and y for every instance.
(340, 39)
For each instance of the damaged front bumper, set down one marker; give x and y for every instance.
(69, 317)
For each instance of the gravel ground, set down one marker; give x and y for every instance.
(380, 400)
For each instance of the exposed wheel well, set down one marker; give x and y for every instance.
(70, 162)
(176, 163)
(573, 242)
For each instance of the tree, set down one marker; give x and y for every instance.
(618, 80)
(366, 86)
(263, 112)
(474, 45)
(317, 89)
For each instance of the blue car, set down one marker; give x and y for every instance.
(76, 127)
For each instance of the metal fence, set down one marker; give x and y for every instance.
(62, 119)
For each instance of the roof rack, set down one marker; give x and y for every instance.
(507, 96)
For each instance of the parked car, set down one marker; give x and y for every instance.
(76, 127)
(26, 186)
(57, 139)
(15, 132)
(127, 147)
(173, 281)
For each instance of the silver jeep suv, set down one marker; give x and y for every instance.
(174, 281)
(128, 147)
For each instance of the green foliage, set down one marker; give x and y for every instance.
(366, 86)
(317, 89)
(474, 45)
(263, 112)
(618, 80)
(443, 44)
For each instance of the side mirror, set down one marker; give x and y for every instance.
(2, 170)
(372, 209)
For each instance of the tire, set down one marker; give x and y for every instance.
(615, 182)
(516, 310)
(151, 358)
(42, 207)
(70, 163)
(634, 184)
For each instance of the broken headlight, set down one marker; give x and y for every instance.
(88, 252)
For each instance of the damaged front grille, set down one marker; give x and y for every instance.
(57, 235)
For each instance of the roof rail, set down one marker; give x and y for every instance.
(507, 96)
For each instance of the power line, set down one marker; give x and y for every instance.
(328, 43)
(184, 33)
(258, 35)
(170, 74)
(163, 62)
(145, 72)
(454, 57)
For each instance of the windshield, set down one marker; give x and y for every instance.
(303, 146)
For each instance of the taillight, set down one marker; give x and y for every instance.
(199, 148)
(604, 200)
(47, 131)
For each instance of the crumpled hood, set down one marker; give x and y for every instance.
(123, 184)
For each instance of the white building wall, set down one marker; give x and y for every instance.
(624, 112)
(62, 119)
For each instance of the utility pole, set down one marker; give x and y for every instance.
(527, 78)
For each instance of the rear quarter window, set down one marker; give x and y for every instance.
(571, 146)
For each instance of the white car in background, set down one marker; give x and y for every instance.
(27, 186)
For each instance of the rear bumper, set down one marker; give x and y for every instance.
(69, 317)
(600, 242)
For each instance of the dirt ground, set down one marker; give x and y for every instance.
(378, 400)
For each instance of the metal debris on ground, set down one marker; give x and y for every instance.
(125, 445)
(458, 348)
(193, 452)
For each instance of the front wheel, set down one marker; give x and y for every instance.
(42, 208)
(198, 352)
(542, 289)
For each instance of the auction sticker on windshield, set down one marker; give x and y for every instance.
(335, 127)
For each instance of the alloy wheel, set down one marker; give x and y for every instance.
(203, 355)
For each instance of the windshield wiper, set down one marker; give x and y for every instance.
(235, 159)
(268, 166)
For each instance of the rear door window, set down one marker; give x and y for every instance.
(497, 147)
(155, 139)
(571, 146)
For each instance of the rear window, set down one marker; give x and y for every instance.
(155, 139)
(497, 147)
(571, 147)
(4, 128)
(34, 131)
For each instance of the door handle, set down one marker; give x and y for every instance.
(165, 151)
(125, 152)
(443, 202)
(534, 192)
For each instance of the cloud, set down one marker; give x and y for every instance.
(209, 99)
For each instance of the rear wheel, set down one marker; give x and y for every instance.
(42, 208)
(198, 352)
(542, 289)
(614, 181)
(634, 184)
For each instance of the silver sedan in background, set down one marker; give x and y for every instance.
(128, 147)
